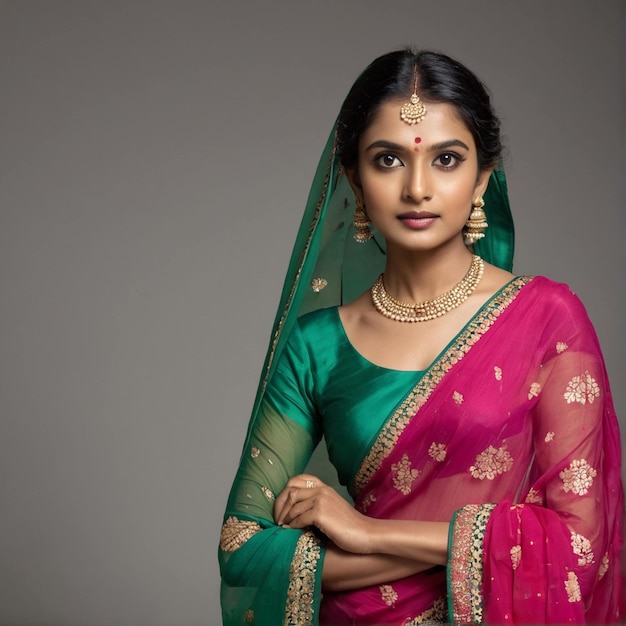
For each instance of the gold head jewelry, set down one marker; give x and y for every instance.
(414, 110)
(430, 309)
(476, 223)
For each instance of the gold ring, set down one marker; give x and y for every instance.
(310, 484)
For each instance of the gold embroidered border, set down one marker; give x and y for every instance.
(465, 563)
(437, 614)
(301, 592)
(236, 532)
(391, 431)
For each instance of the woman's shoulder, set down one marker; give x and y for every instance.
(321, 322)
(555, 297)
(556, 290)
(319, 317)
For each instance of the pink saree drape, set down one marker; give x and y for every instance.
(511, 434)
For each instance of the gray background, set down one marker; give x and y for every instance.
(154, 161)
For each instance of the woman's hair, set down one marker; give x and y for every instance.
(439, 79)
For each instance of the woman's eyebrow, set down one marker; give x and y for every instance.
(451, 143)
(389, 145)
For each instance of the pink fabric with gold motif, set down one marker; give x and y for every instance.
(513, 428)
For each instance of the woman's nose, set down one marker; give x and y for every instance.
(417, 184)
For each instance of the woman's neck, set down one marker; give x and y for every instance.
(418, 276)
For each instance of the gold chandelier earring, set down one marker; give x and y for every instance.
(361, 223)
(477, 222)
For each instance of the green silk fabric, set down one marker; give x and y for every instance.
(325, 385)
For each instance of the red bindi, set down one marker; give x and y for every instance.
(418, 140)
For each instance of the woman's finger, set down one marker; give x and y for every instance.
(303, 502)
(290, 494)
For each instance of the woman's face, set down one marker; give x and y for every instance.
(418, 182)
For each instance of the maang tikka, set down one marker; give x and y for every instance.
(413, 111)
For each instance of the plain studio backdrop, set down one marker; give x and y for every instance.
(155, 157)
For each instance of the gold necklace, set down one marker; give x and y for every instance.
(430, 309)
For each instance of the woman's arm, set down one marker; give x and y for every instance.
(363, 550)
(345, 571)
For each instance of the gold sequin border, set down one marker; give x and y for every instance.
(301, 592)
(391, 431)
(465, 563)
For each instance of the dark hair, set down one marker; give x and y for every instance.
(439, 79)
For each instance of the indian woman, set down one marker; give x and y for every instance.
(465, 408)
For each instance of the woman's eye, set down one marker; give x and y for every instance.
(448, 160)
(388, 160)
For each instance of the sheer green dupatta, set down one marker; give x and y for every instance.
(272, 575)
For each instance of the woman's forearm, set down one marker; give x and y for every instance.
(395, 549)
(421, 541)
(344, 571)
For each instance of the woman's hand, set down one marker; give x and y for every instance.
(307, 501)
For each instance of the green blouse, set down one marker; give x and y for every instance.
(328, 388)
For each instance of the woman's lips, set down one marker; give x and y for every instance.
(416, 220)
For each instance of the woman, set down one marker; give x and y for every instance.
(466, 409)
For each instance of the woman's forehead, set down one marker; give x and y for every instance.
(441, 122)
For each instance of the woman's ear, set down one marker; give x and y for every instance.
(352, 175)
(482, 182)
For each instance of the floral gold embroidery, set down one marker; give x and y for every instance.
(464, 342)
(403, 475)
(268, 494)
(561, 346)
(367, 501)
(578, 478)
(497, 372)
(491, 463)
(533, 497)
(437, 614)
(583, 389)
(572, 588)
(317, 284)
(549, 437)
(413, 403)
(516, 556)
(604, 565)
(457, 397)
(301, 591)
(388, 594)
(582, 549)
(254, 452)
(534, 391)
(437, 451)
(249, 616)
(236, 532)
